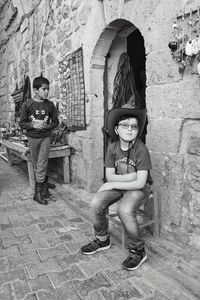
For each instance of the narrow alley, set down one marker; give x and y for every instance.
(40, 255)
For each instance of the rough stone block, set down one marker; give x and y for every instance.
(61, 239)
(58, 3)
(6, 292)
(50, 265)
(142, 285)
(172, 101)
(26, 248)
(18, 261)
(65, 11)
(121, 275)
(85, 286)
(41, 282)
(97, 263)
(3, 265)
(194, 145)
(19, 231)
(47, 234)
(67, 47)
(7, 241)
(18, 274)
(60, 251)
(75, 4)
(31, 297)
(83, 16)
(194, 173)
(21, 288)
(163, 140)
(58, 278)
(123, 291)
(160, 68)
(13, 250)
(70, 259)
(60, 217)
(50, 59)
(55, 224)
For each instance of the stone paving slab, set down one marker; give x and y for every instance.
(40, 257)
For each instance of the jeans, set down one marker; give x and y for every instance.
(129, 202)
(39, 148)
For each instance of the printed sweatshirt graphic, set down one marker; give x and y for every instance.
(38, 111)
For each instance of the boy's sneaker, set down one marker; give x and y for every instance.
(95, 246)
(135, 259)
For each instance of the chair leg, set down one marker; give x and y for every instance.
(123, 236)
(155, 212)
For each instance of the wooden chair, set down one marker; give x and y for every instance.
(148, 212)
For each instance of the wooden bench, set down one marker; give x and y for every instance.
(148, 212)
(18, 149)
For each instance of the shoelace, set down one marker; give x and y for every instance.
(94, 243)
(135, 253)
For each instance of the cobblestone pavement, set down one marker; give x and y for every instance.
(40, 254)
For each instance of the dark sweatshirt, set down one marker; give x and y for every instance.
(38, 110)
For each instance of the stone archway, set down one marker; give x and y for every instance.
(102, 72)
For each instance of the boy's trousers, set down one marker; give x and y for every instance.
(39, 148)
(129, 202)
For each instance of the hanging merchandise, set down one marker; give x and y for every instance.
(124, 84)
(20, 95)
(26, 89)
(198, 68)
(189, 48)
(185, 46)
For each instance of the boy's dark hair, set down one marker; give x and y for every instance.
(39, 81)
(122, 118)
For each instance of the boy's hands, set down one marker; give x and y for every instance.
(39, 124)
(106, 187)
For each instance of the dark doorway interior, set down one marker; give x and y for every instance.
(136, 52)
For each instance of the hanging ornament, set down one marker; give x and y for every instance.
(198, 68)
(198, 42)
(180, 38)
(175, 25)
(173, 45)
(182, 67)
(195, 48)
(189, 48)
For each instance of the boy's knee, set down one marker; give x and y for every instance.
(95, 203)
(126, 210)
(135, 195)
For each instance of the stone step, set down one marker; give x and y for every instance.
(175, 272)
(154, 274)
(186, 258)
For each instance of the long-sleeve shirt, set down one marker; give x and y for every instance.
(38, 110)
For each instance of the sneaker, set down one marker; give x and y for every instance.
(95, 246)
(135, 259)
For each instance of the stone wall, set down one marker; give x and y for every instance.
(40, 33)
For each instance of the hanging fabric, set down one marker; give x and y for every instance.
(26, 89)
(124, 84)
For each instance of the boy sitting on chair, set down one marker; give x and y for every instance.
(128, 177)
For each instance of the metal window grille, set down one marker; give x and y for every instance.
(73, 90)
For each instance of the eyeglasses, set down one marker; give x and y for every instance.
(126, 126)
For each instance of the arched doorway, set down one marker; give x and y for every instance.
(127, 40)
(118, 37)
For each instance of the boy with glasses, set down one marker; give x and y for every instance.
(128, 177)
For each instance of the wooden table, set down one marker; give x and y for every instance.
(23, 152)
